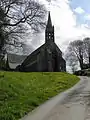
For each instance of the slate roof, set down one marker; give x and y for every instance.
(34, 53)
(15, 60)
(37, 51)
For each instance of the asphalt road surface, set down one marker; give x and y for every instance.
(73, 104)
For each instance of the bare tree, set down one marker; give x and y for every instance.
(19, 16)
(21, 11)
(72, 61)
(2, 33)
(75, 49)
(86, 42)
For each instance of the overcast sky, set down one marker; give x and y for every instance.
(71, 19)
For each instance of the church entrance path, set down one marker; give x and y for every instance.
(73, 104)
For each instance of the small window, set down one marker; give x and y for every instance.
(49, 34)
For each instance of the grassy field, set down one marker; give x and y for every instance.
(22, 92)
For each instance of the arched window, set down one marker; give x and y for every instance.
(49, 36)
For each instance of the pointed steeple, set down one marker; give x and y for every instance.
(49, 32)
(49, 22)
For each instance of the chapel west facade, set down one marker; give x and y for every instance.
(48, 57)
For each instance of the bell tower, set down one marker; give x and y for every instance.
(49, 32)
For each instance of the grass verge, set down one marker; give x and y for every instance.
(20, 93)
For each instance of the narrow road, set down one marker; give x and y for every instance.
(74, 104)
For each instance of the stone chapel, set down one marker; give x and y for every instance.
(48, 57)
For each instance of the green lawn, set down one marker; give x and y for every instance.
(22, 92)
